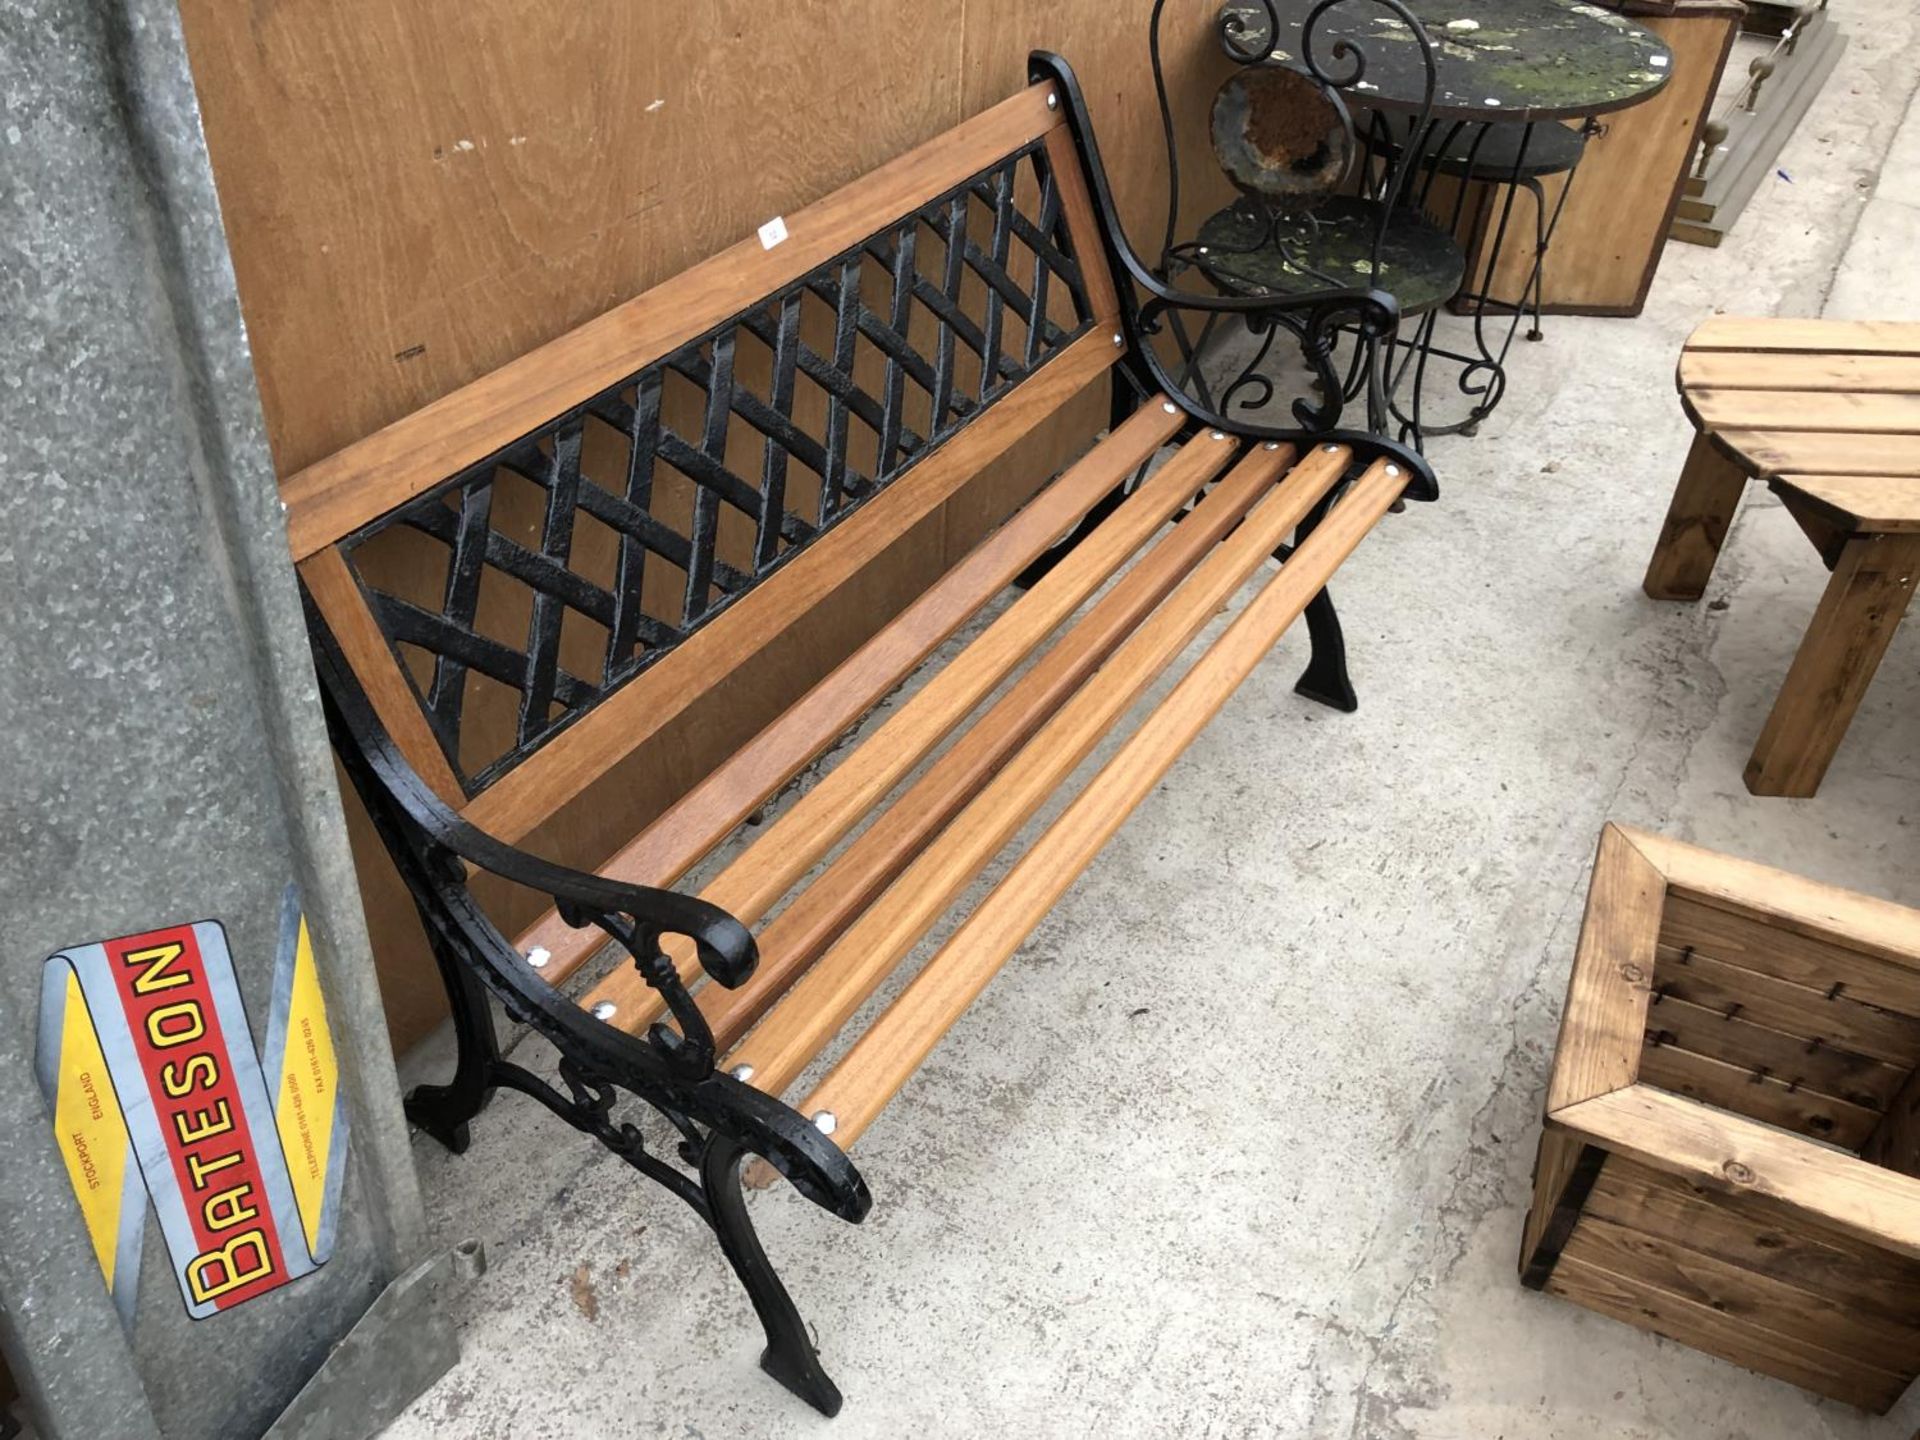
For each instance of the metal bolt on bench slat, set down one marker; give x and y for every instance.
(539, 956)
(1053, 102)
(742, 1073)
(1170, 407)
(824, 1122)
(1271, 445)
(1218, 435)
(604, 1010)
(1118, 338)
(1329, 448)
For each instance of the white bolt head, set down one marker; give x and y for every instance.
(1118, 338)
(1394, 470)
(1203, 249)
(539, 956)
(1329, 448)
(1271, 445)
(1170, 407)
(1053, 101)
(824, 1122)
(1218, 435)
(604, 1010)
(742, 1073)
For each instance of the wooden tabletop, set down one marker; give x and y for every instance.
(1828, 408)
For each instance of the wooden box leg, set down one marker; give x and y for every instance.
(1697, 523)
(1861, 609)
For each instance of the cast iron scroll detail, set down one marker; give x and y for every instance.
(718, 1119)
(1316, 318)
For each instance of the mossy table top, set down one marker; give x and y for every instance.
(1497, 60)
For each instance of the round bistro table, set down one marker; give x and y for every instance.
(1507, 75)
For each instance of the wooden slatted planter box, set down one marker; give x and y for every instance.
(1731, 1133)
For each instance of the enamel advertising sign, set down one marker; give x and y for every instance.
(159, 1098)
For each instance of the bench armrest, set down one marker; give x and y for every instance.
(1314, 319)
(636, 916)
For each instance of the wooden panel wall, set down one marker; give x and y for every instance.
(416, 191)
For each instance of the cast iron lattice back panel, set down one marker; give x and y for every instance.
(650, 470)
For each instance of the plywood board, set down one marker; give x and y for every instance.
(418, 191)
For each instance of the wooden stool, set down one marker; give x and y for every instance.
(1827, 412)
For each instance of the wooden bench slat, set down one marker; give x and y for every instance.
(1083, 227)
(1881, 504)
(335, 496)
(824, 999)
(869, 1075)
(662, 853)
(1754, 370)
(819, 819)
(1827, 337)
(1785, 452)
(1837, 412)
(622, 721)
(831, 900)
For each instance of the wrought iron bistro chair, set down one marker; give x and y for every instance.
(1318, 208)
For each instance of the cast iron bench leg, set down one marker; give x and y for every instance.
(1325, 679)
(789, 1357)
(444, 1110)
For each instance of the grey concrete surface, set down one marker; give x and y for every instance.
(1239, 1144)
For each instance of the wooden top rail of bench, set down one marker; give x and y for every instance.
(336, 496)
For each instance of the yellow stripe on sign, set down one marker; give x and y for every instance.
(309, 1078)
(90, 1129)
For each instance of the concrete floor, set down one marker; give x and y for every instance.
(1239, 1144)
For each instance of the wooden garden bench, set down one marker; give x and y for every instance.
(1827, 412)
(696, 471)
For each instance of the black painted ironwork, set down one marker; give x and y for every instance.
(1270, 245)
(717, 1118)
(1315, 320)
(907, 366)
(1511, 158)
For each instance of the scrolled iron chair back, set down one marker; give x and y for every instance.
(1247, 33)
